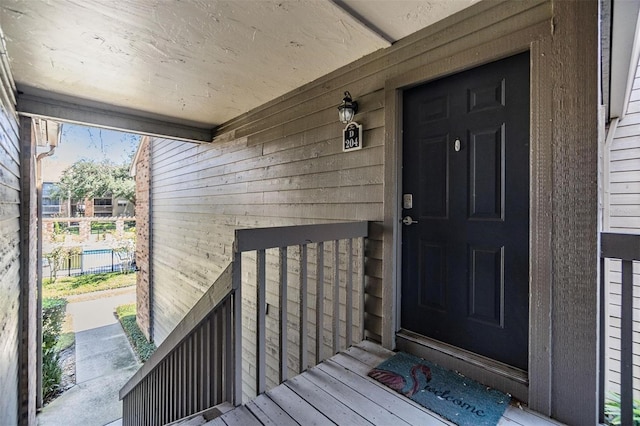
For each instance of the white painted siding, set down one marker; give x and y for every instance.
(623, 216)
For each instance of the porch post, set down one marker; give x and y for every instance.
(574, 126)
(30, 383)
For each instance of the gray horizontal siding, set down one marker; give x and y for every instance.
(282, 163)
(9, 252)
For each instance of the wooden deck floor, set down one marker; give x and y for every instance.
(338, 391)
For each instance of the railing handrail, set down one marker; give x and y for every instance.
(210, 300)
(620, 246)
(284, 236)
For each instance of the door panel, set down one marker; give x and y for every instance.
(465, 268)
(486, 173)
(434, 156)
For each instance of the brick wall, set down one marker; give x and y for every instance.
(143, 246)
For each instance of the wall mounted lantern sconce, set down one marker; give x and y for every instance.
(347, 109)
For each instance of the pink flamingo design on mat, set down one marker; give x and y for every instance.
(397, 382)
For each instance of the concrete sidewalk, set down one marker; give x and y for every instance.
(104, 363)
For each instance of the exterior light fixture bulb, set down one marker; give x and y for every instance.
(347, 109)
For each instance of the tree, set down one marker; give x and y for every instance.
(90, 179)
(124, 186)
(60, 258)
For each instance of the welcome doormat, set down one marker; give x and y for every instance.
(451, 395)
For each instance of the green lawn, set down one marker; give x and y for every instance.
(69, 286)
(141, 346)
(67, 338)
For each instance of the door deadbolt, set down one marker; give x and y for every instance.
(408, 220)
(407, 201)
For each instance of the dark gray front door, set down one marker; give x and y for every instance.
(465, 263)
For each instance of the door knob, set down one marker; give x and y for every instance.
(408, 220)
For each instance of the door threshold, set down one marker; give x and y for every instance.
(482, 369)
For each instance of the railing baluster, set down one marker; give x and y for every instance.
(217, 356)
(319, 300)
(335, 321)
(175, 374)
(189, 375)
(166, 382)
(203, 369)
(234, 377)
(200, 371)
(626, 344)
(154, 401)
(283, 314)
(348, 303)
(303, 350)
(148, 401)
(233, 357)
(155, 397)
(145, 402)
(261, 300)
(361, 288)
(213, 347)
(602, 342)
(126, 413)
(171, 379)
(176, 385)
(196, 373)
(137, 402)
(207, 374)
(183, 382)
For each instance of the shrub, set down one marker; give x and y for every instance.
(53, 312)
(612, 408)
(141, 346)
(102, 227)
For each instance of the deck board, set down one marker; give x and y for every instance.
(373, 412)
(405, 408)
(269, 412)
(240, 416)
(338, 391)
(524, 416)
(299, 409)
(331, 405)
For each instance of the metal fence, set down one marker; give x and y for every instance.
(93, 262)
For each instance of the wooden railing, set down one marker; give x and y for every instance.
(192, 370)
(199, 365)
(259, 240)
(626, 248)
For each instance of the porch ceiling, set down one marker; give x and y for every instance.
(195, 62)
